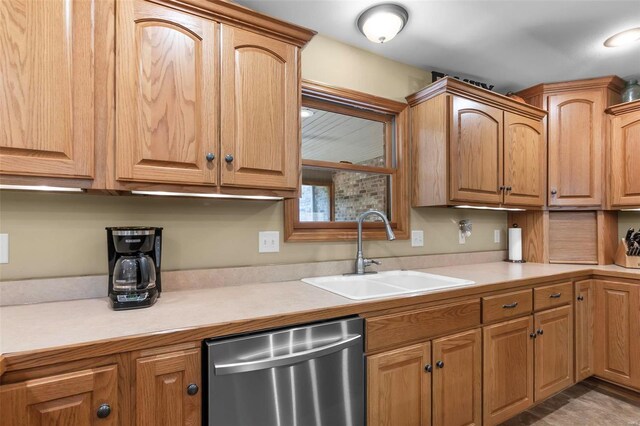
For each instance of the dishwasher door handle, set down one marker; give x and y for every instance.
(289, 359)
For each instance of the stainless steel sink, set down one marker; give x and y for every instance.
(384, 284)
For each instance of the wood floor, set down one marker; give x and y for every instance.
(584, 404)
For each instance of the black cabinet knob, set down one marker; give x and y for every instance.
(440, 364)
(428, 368)
(103, 411)
(554, 192)
(532, 335)
(580, 298)
(228, 158)
(192, 389)
(210, 156)
(540, 331)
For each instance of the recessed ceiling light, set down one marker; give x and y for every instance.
(623, 38)
(382, 22)
(306, 112)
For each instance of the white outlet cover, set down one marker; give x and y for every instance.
(268, 242)
(496, 235)
(4, 248)
(462, 239)
(417, 238)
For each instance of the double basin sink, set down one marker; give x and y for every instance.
(384, 284)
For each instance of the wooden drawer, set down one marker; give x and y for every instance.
(395, 330)
(552, 295)
(505, 306)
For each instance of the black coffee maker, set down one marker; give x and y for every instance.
(134, 266)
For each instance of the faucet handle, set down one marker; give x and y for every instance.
(369, 262)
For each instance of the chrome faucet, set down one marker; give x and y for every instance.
(361, 261)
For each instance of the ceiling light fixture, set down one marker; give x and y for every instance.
(382, 22)
(306, 112)
(623, 38)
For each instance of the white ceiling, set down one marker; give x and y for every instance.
(511, 44)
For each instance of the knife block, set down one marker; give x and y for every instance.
(625, 261)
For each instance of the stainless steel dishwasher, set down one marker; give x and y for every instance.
(304, 376)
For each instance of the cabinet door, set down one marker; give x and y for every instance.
(76, 398)
(46, 88)
(457, 379)
(163, 393)
(625, 157)
(476, 152)
(525, 161)
(584, 328)
(576, 141)
(260, 95)
(166, 94)
(617, 332)
(399, 387)
(507, 369)
(553, 351)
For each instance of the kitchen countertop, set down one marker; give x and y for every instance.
(46, 326)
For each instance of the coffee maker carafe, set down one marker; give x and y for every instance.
(134, 266)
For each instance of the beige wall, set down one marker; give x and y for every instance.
(63, 234)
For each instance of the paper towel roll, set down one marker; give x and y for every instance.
(515, 244)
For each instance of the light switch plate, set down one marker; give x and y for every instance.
(4, 248)
(417, 238)
(496, 235)
(268, 242)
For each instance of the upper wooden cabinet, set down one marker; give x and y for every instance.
(624, 155)
(166, 111)
(47, 87)
(576, 134)
(473, 146)
(260, 95)
(82, 398)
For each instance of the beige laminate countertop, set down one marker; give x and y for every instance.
(47, 326)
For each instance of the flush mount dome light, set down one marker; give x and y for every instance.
(623, 38)
(306, 112)
(382, 22)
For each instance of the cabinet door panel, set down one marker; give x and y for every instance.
(584, 329)
(625, 156)
(260, 111)
(507, 369)
(399, 388)
(166, 88)
(457, 385)
(576, 141)
(553, 351)
(476, 152)
(525, 161)
(46, 88)
(66, 399)
(617, 332)
(161, 389)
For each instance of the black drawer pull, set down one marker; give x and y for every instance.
(555, 295)
(510, 305)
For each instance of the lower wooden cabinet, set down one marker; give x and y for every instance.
(507, 369)
(553, 351)
(167, 389)
(436, 382)
(86, 397)
(399, 387)
(585, 311)
(617, 332)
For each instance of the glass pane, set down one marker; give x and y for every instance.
(334, 137)
(341, 195)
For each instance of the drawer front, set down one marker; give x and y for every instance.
(395, 330)
(552, 295)
(509, 305)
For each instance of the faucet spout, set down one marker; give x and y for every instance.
(361, 262)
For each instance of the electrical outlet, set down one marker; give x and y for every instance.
(4, 248)
(268, 242)
(496, 235)
(417, 238)
(462, 238)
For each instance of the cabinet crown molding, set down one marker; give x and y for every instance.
(612, 82)
(456, 87)
(624, 108)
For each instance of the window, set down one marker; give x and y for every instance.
(353, 159)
